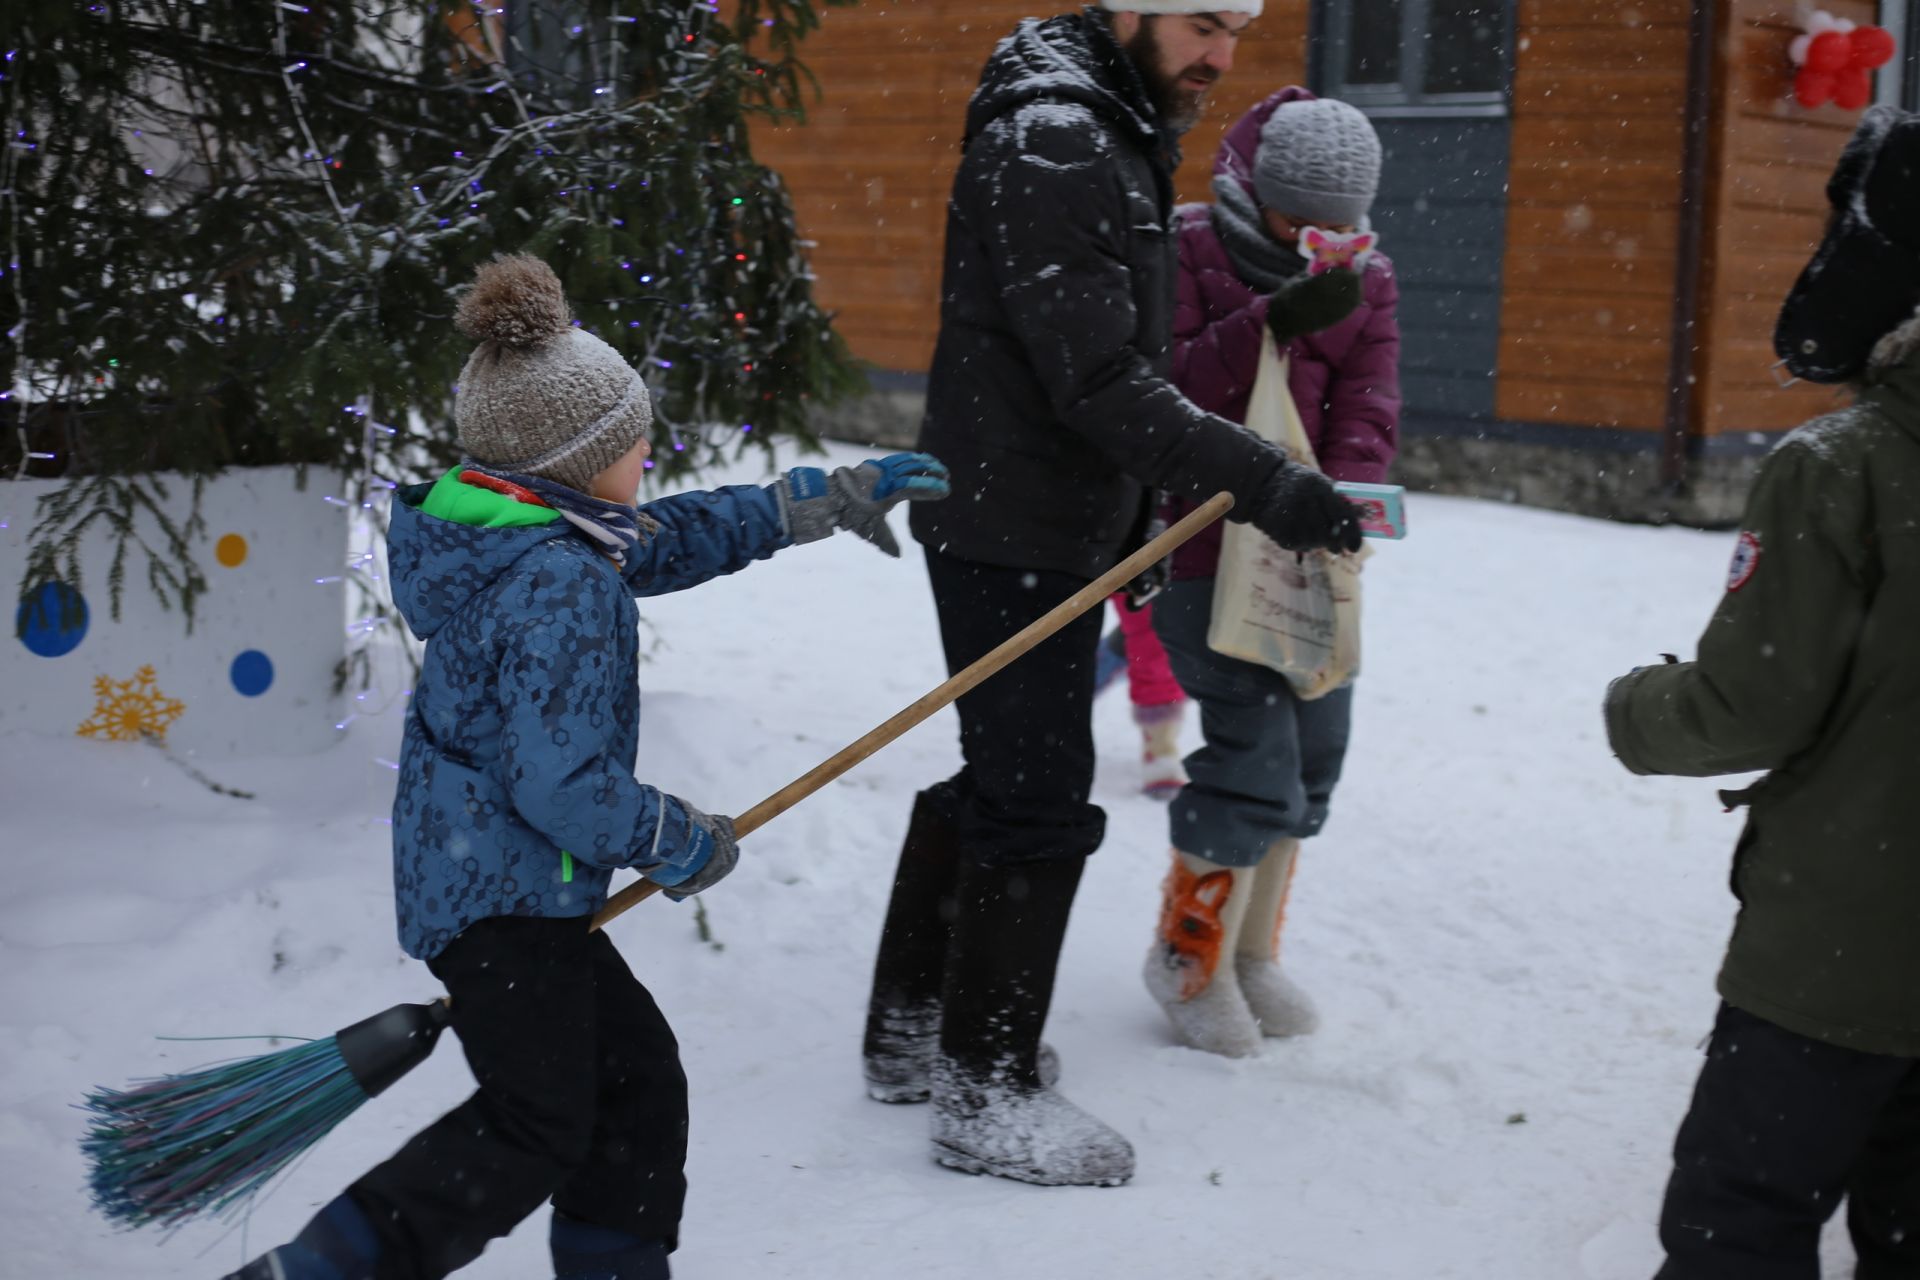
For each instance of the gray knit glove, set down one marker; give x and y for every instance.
(814, 503)
(717, 831)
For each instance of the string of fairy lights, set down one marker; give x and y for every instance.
(18, 146)
(362, 569)
(584, 177)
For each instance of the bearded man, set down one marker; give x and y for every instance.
(1049, 400)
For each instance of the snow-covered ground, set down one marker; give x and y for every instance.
(1512, 941)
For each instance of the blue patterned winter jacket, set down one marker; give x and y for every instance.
(517, 794)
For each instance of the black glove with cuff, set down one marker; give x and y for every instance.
(1299, 509)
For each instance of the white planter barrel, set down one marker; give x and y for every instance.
(255, 675)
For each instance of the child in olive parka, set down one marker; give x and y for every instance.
(1810, 670)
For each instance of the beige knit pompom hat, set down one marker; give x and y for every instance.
(539, 395)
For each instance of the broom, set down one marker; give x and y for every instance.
(164, 1151)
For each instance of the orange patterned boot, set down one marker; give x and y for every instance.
(1278, 1003)
(1202, 907)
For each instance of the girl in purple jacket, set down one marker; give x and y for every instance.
(1262, 781)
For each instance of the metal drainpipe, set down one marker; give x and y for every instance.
(1686, 292)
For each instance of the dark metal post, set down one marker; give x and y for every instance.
(1701, 51)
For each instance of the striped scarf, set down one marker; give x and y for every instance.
(614, 528)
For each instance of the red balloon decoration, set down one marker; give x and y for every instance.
(1830, 53)
(1872, 46)
(1837, 64)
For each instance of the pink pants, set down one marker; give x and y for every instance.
(1150, 681)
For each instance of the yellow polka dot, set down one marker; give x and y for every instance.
(230, 550)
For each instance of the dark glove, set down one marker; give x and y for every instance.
(815, 503)
(706, 844)
(1153, 579)
(1299, 509)
(1309, 304)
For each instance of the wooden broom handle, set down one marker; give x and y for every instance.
(1013, 647)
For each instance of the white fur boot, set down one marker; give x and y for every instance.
(1189, 968)
(1278, 1003)
(1161, 773)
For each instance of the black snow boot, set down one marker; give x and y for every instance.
(338, 1244)
(994, 1109)
(903, 1013)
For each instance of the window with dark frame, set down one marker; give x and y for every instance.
(1419, 56)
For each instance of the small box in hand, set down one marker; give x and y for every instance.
(1383, 508)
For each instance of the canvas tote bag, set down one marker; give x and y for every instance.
(1299, 615)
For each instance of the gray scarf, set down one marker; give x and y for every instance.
(1258, 259)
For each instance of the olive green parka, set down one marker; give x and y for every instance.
(1810, 670)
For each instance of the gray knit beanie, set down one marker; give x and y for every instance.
(540, 396)
(1318, 160)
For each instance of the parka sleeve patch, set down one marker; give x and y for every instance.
(1746, 560)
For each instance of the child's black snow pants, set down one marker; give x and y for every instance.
(1781, 1128)
(581, 1101)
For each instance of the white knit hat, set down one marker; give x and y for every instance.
(1249, 7)
(539, 395)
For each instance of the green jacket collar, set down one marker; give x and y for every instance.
(468, 504)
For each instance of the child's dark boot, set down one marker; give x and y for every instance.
(582, 1251)
(339, 1244)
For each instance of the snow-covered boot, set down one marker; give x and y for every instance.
(1161, 773)
(992, 1110)
(1203, 905)
(339, 1244)
(903, 1012)
(1278, 1003)
(582, 1251)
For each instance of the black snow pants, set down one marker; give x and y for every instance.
(1781, 1128)
(1026, 735)
(581, 1101)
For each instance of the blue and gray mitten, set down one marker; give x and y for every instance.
(814, 502)
(692, 850)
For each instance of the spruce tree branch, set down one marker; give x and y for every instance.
(171, 41)
(300, 114)
(159, 744)
(20, 368)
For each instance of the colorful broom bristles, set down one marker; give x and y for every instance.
(170, 1149)
(177, 1147)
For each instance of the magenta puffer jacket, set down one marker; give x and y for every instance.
(1345, 380)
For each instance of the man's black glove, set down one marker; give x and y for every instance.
(1299, 509)
(1309, 304)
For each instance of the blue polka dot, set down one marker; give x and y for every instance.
(52, 621)
(252, 673)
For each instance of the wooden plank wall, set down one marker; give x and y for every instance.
(1594, 212)
(871, 168)
(1767, 213)
(868, 170)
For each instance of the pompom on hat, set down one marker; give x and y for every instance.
(1152, 7)
(539, 395)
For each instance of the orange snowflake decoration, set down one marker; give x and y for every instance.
(130, 710)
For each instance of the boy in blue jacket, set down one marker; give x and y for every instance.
(517, 798)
